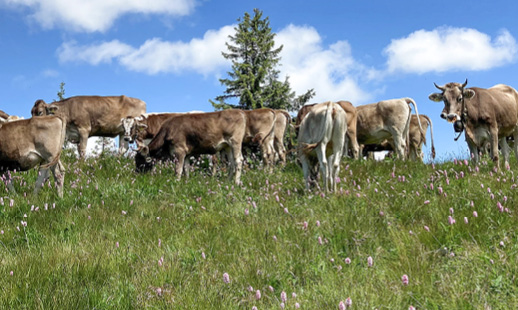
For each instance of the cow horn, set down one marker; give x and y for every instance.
(465, 83)
(441, 88)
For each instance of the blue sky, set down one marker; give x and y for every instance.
(168, 52)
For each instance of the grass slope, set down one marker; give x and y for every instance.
(118, 240)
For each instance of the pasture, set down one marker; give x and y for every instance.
(120, 240)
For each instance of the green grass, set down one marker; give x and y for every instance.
(67, 255)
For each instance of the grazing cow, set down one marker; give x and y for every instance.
(387, 119)
(486, 115)
(88, 116)
(351, 142)
(195, 134)
(25, 144)
(260, 125)
(322, 135)
(416, 139)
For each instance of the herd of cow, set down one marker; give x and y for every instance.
(326, 131)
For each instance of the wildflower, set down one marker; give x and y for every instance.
(348, 302)
(11, 273)
(117, 244)
(451, 211)
(294, 295)
(226, 278)
(284, 297)
(203, 255)
(426, 228)
(250, 288)
(286, 211)
(305, 225)
(502, 244)
(319, 240)
(318, 223)
(124, 212)
(475, 214)
(159, 242)
(282, 305)
(451, 220)
(347, 260)
(404, 279)
(274, 238)
(246, 211)
(382, 213)
(297, 305)
(270, 288)
(369, 261)
(258, 294)
(466, 220)
(341, 305)
(254, 308)
(411, 308)
(426, 202)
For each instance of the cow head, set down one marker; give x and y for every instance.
(40, 108)
(143, 163)
(453, 96)
(132, 126)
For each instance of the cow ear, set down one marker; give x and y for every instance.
(468, 93)
(52, 110)
(437, 97)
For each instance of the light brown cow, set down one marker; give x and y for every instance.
(142, 129)
(416, 139)
(88, 116)
(351, 142)
(486, 115)
(25, 144)
(384, 120)
(4, 117)
(196, 134)
(321, 139)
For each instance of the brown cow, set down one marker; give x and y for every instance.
(351, 142)
(25, 144)
(387, 119)
(485, 115)
(416, 139)
(88, 116)
(195, 134)
(321, 139)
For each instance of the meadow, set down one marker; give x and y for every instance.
(396, 235)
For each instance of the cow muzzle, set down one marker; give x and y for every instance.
(451, 118)
(128, 139)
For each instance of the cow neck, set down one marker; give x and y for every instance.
(463, 114)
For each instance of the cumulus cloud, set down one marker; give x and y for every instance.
(155, 55)
(96, 15)
(446, 49)
(330, 70)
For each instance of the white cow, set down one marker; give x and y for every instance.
(322, 136)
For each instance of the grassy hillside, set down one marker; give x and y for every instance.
(118, 240)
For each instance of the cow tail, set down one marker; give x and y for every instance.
(431, 135)
(289, 129)
(62, 142)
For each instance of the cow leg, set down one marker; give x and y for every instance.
(505, 151)
(179, 165)
(280, 150)
(322, 159)
(305, 169)
(399, 145)
(58, 171)
(6, 176)
(353, 146)
(236, 161)
(187, 166)
(494, 144)
(43, 175)
(83, 140)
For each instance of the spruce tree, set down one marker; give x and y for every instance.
(253, 80)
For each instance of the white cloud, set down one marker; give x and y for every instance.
(446, 49)
(96, 15)
(155, 55)
(331, 71)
